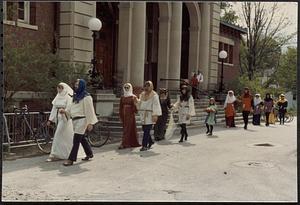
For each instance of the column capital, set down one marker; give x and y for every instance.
(125, 5)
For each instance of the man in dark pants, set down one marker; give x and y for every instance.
(247, 102)
(149, 109)
(83, 116)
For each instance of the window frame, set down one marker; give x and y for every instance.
(26, 13)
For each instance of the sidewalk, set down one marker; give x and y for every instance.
(223, 167)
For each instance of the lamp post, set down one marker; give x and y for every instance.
(222, 56)
(94, 25)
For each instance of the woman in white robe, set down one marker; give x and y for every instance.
(186, 109)
(63, 137)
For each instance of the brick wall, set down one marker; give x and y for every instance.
(231, 72)
(46, 22)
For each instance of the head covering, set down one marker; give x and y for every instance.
(146, 96)
(280, 98)
(67, 92)
(80, 92)
(163, 90)
(186, 96)
(257, 99)
(229, 99)
(212, 99)
(128, 92)
(268, 97)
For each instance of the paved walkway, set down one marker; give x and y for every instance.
(224, 167)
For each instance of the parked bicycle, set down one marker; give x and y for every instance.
(99, 135)
(39, 135)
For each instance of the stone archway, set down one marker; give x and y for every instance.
(194, 36)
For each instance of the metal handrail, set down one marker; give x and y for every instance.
(187, 83)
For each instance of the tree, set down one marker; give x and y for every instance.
(286, 74)
(228, 14)
(264, 33)
(33, 67)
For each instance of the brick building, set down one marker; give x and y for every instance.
(230, 39)
(138, 41)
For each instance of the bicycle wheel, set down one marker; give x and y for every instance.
(43, 139)
(99, 135)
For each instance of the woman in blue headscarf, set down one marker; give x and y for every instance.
(83, 117)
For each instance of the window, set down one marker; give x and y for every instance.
(8, 10)
(23, 11)
(229, 49)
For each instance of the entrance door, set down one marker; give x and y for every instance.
(152, 14)
(185, 40)
(106, 43)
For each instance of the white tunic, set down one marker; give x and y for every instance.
(185, 108)
(63, 137)
(149, 108)
(84, 109)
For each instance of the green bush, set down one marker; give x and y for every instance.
(33, 67)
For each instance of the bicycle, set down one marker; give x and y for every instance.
(39, 135)
(99, 134)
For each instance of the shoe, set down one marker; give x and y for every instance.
(150, 144)
(87, 158)
(207, 131)
(68, 163)
(209, 134)
(143, 149)
(185, 138)
(121, 147)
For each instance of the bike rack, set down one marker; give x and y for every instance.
(7, 133)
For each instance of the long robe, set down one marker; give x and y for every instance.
(211, 118)
(229, 114)
(63, 137)
(160, 126)
(127, 111)
(185, 108)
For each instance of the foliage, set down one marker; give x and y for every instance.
(228, 14)
(264, 38)
(286, 74)
(254, 85)
(33, 67)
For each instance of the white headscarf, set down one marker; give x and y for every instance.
(256, 100)
(128, 93)
(64, 94)
(229, 99)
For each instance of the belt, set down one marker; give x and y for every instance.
(77, 118)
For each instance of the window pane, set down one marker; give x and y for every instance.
(21, 10)
(227, 50)
(230, 54)
(21, 14)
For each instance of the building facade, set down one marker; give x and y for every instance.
(230, 40)
(138, 41)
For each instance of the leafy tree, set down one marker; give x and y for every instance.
(264, 34)
(33, 67)
(228, 14)
(286, 74)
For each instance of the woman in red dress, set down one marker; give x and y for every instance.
(127, 113)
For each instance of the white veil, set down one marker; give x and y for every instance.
(65, 94)
(171, 127)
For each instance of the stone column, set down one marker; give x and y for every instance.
(124, 40)
(138, 44)
(175, 45)
(163, 50)
(204, 43)
(194, 49)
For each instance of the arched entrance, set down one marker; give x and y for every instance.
(151, 58)
(106, 43)
(185, 43)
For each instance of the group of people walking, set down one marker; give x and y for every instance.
(73, 113)
(254, 105)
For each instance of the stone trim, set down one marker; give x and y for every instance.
(226, 40)
(26, 25)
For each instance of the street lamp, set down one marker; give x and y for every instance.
(222, 56)
(94, 25)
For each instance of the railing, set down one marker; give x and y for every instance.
(15, 131)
